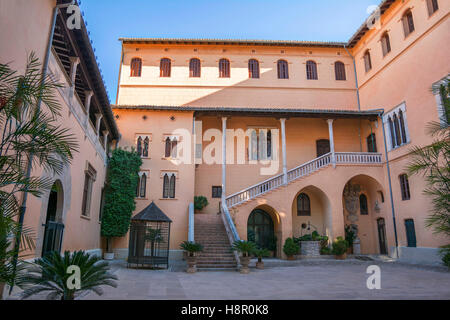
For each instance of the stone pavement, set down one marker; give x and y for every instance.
(320, 279)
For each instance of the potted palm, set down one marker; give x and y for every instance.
(246, 248)
(339, 248)
(290, 248)
(50, 274)
(260, 253)
(191, 249)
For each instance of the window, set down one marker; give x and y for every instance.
(385, 44)
(432, 6)
(322, 147)
(89, 178)
(135, 67)
(283, 70)
(396, 126)
(169, 185)
(165, 67)
(216, 191)
(404, 187)
(339, 70)
(371, 143)
(224, 68)
(194, 68)
(303, 205)
(261, 144)
(141, 188)
(311, 70)
(253, 69)
(367, 61)
(171, 147)
(363, 207)
(142, 145)
(410, 233)
(139, 145)
(408, 23)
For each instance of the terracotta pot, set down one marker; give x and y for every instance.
(291, 258)
(245, 262)
(341, 256)
(260, 265)
(191, 262)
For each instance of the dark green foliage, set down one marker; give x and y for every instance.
(200, 202)
(325, 251)
(50, 274)
(290, 248)
(339, 246)
(244, 247)
(191, 247)
(445, 254)
(120, 191)
(349, 235)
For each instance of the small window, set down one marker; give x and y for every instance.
(404, 187)
(139, 146)
(385, 44)
(194, 68)
(396, 126)
(367, 61)
(283, 69)
(169, 186)
(371, 143)
(141, 188)
(216, 191)
(171, 148)
(253, 69)
(260, 144)
(410, 233)
(303, 205)
(89, 178)
(339, 70)
(433, 6)
(224, 68)
(322, 147)
(363, 207)
(165, 67)
(135, 67)
(311, 70)
(146, 146)
(408, 23)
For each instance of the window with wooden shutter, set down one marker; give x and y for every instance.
(224, 68)
(143, 185)
(385, 44)
(135, 67)
(339, 70)
(89, 177)
(367, 61)
(216, 192)
(165, 67)
(253, 69)
(194, 68)
(166, 186)
(410, 233)
(283, 69)
(172, 187)
(311, 70)
(139, 146)
(408, 23)
(146, 146)
(433, 6)
(404, 187)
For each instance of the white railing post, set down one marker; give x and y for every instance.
(224, 158)
(191, 223)
(283, 147)
(330, 132)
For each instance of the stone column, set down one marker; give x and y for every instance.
(87, 104)
(330, 131)
(98, 118)
(224, 157)
(283, 148)
(105, 142)
(74, 62)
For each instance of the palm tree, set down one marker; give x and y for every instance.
(50, 275)
(154, 236)
(30, 137)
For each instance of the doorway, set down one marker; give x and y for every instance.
(323, 147)
(54, 228)
(260, 229)
(382, 235)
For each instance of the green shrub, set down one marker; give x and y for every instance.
(349, 235)
(290, 248)
(339, 246)
(191, 247)
(325, 251)
(445, 254)
(120, 191)
(244, 247)
(261, 253)
(200, 202)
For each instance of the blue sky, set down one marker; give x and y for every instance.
(319, 20)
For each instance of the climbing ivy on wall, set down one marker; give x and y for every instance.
(120, 191)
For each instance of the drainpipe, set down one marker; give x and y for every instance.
(357, 93)
(23, 207)
(390, 186)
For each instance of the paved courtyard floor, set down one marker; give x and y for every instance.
(302, 280)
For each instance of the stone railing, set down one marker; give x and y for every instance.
(358, 158)
(309, 167)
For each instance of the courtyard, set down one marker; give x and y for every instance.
(321, 279)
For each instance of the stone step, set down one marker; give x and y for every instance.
(217, 265)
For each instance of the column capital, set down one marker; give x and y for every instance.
(224, 119)
(283, 119)
(74, 60)
(89, 93)
(330, 121)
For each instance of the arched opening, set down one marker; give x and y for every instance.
(260, 229)
(364, 205)
(54, 226)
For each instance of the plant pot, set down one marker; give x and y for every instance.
(191, 262)
(245, 262)
(341, 256)
(108, 255)
(260, 265)
(291, 258)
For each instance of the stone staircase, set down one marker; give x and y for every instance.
(217, 254)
